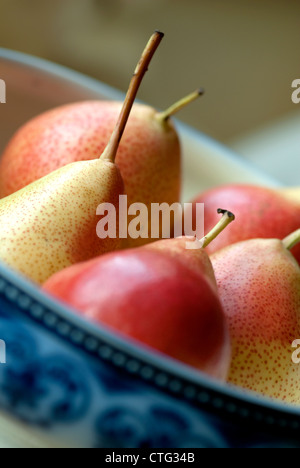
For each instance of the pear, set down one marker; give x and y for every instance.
(162, 295)
(149, 156)
(259, 285)
(262, 213)
(51, 224)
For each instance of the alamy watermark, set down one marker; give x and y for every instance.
(296, 354)
(161, 221)
(2, 92)
(296, 93)
(2, 352)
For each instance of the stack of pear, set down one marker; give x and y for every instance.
(51, 224)
(259, 286)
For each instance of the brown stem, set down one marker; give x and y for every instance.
(110, 152)
(227, 218)
(292, 240)
(166, 115)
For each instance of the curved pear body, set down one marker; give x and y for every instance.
(149, 156)
(52, 223)
(259, 285)
(260, 213)
(197, 260)
(155, 297)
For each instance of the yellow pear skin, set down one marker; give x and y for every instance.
(51, 224)
(259, 286)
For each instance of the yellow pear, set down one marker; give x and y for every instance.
(259, 286)
(51, 224)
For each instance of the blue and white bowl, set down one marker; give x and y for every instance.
(84, 386)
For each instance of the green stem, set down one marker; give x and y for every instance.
(227, 218)
(110, 152)
(166, 115)
(292, 240)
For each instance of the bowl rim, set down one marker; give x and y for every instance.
(207, 392)
(118, 351)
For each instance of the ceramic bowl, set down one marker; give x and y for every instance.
(85, 386)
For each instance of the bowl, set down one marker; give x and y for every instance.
(78, 385)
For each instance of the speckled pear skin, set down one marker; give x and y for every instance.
(198, 259)
(51, 224)
(149, 156)
(259, 285)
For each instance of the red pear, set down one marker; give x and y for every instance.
(262, 213)
(259, 285)
(163, 295)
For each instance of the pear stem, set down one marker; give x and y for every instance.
(110, 152)
(292, 240)
(227, 218)
(166, 115)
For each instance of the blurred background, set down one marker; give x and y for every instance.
(244, 52)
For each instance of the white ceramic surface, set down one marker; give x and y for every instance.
(275, 148)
